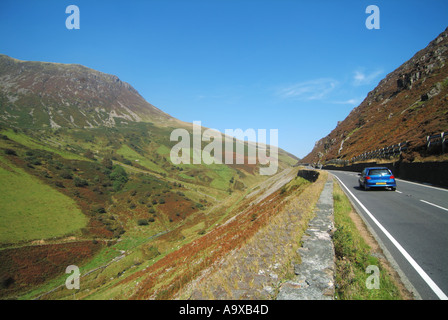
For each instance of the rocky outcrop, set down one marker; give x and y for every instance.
(409, 104)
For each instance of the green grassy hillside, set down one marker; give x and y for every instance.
(93, 194)
(31, 210)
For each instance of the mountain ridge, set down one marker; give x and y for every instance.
(409, 104)
(41, 94)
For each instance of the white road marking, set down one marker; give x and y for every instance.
(434, 205)
(406, 255)
(422, 185)
(398, 191)
(406, 181)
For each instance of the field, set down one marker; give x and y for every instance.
(31, 143)
(135, 157)
(37, 211)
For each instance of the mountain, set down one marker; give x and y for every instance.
(42, 95)
(87, 180)
(409, 104)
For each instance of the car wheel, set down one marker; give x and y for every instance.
(393, 189)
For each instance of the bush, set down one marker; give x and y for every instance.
(59, 184)
(127, 162)
(6, 282)
(117, 185)
(119, 177)
(66, 175)
(100, 210)
(119, 174)
(90, 155)
(142, 222)
(107, 162)
(35, 161)
(200, 206)
(10, 152)
(79, 182)
(118, 232)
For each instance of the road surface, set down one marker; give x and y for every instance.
(412, 223)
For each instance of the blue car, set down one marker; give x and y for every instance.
(377, 177)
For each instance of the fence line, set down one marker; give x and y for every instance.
(382, 153)
(394, 150)
(436, 140)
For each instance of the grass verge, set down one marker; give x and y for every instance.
(354, 255)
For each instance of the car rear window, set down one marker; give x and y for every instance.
(378, 172)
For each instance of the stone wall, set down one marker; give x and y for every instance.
(314, 276)
(310, 175)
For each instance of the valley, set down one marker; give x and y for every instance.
(88, 179)
(146, 213)
(108, 199)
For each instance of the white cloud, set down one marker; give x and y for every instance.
(361, 78)
(309, 90)
(353, 102)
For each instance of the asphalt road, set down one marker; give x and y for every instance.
(412, 223)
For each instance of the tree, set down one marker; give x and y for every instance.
(119, 177)
(107, 162)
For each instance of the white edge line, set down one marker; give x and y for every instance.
(406, 181)
(432, 204)
(422, 185)
(406, 255)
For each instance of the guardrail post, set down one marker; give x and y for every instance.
(443, 141)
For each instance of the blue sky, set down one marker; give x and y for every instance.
(296, 66)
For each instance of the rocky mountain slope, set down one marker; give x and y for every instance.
(408, 105)
(43, 95)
